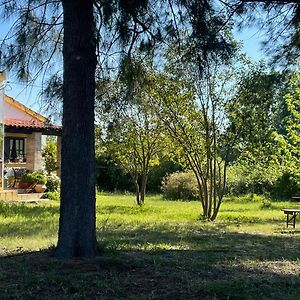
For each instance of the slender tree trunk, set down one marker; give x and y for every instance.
(77, 234)
(143, 188)
(137, 192)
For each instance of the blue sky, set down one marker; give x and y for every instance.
(29, 94)
(251, 39)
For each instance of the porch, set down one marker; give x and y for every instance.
(23, 132)
(19, 195)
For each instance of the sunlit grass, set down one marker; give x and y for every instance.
(28, 226)
(34, 226)
(159, 251)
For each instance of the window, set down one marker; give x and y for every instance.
(14, 149)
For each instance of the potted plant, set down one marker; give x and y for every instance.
(40, 182)
(34, 180)
(26, 181)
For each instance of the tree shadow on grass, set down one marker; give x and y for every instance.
(153, 261)
(244, 245)
(128, 210)
(145, 264)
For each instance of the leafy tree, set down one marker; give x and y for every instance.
(292, 120)
(279, 23)
(256, 115)
(258, 110)
(134, 136)
(194, 121)
(31, 41)
(49, 155)
(266, 116)
(89, 28)
(136, 148)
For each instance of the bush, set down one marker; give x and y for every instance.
(245, 178)
(158, 172)
(55, 196)
(53, 183)
(34, 177)
(111, 177)
(180, 185)
(266, 204)
(49, 155)
(246, 198)
(287, 186)
(277, 181)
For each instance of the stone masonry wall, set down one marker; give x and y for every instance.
(34, 151)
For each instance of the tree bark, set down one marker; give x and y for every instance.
(143, 188)
(137, 192)
(77, 233)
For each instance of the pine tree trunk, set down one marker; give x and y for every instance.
(77, 234)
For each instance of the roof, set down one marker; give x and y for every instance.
(24, 108)
(28, 120)
(31, 126)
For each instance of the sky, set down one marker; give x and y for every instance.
(26, 94)
(29, 94)
(251, 40)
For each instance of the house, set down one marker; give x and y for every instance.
(22, 142)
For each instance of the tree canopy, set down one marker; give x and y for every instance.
(92, 39)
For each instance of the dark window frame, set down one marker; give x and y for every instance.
(14, 149)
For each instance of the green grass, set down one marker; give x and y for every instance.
(159, 251)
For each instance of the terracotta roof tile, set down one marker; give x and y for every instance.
(30, 124)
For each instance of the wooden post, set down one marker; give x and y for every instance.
(58, 156)
(294, 220)
(2, 87)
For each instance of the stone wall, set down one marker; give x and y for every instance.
(33, 151)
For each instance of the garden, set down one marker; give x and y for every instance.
(180, 149)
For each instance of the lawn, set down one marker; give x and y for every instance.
(160, 251)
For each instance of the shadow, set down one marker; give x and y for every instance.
(255, 268)
(203, 240)
(134, 210)
(289, 231)
(152, 261)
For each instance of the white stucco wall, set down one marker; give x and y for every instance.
(14, 113)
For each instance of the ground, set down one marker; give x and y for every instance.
(160, 251)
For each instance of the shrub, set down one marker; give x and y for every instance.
(49, 155)
(158, 172)
(254, 198)
(266, 204)
(53, 183)
(244, 178)
(246, 198)
(34, 177)
(287, 185)
(180, 185)
(111, 177)
(55, 196)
